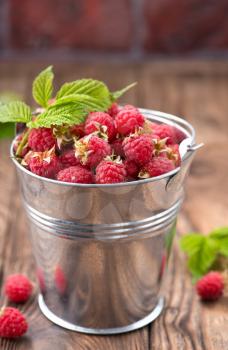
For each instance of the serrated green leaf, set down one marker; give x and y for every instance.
(90, 87)
(42, 87)
(91, 103)
(221, 237)
(58, 115)
(117, 94)
(202, 252)
(15, 111)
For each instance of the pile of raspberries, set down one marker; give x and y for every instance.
(116, 146)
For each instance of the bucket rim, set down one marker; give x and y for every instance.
(170, 119)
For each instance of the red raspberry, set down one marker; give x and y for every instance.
(128, 120)
(78, 130)
(211, 286)
(132, 169)
(44, 164)
(12, 323)
(16, 143)
(60, 280)
(117, 147)
(172, 153)
(165, 131)
(76, 174)
(18, 288)
(102, 123)
(138, 148)
(113, 110)
(157, 166)
(91, 149)
(180, 136)
(41, 139)
(68, 158)
(109, 172)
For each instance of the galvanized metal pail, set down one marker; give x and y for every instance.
(101, 249)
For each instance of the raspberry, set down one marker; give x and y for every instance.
(138, 148)
(157, 166)
(166, 131)
(211, 286)
(91, 149)
(172, 153)
(117, 147)
(68, 158)
(78, 130)
(128, 120)
(102, 123)
(44, 164)
(109, 172)
(12, 323)
(41, 139)
(132, 169)
(76, 174)
(113, 110)
(60, 280)
(18, 288)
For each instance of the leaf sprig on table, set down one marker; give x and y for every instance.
(70, 106)
(203, 251)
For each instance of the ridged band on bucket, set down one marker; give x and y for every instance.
(74, 230)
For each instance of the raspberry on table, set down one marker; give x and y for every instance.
(156, 166)
(113, 110)
(211, 286)
(102, 123)
(108, 172)
(91, 149)
(138, 148)
(45, 164)
(18, 288)
(76, 174)
(41, 139)
(13, 323)
(68, 158)
(128, 120)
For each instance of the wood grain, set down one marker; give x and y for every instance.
(196, 90)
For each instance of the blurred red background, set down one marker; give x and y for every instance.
(133, 27)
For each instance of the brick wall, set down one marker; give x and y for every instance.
(132, 27)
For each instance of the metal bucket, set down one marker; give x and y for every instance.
(101, 249)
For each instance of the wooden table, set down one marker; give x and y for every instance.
(199, 92)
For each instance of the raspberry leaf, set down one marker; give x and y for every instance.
(220, 235)
(58, 115)
(89, 87)
(15, 111)
(42, 87)
(117, 94)
(87, 101)
(202, 252)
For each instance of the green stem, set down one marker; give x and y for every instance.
(22, 143)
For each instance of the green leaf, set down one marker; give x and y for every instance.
(89, 102)
(115, 95)
(220, 235)
(42, 87)
(58, 115)
(7, 130)
(90, 87)
(15, 111)
(202, 252)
